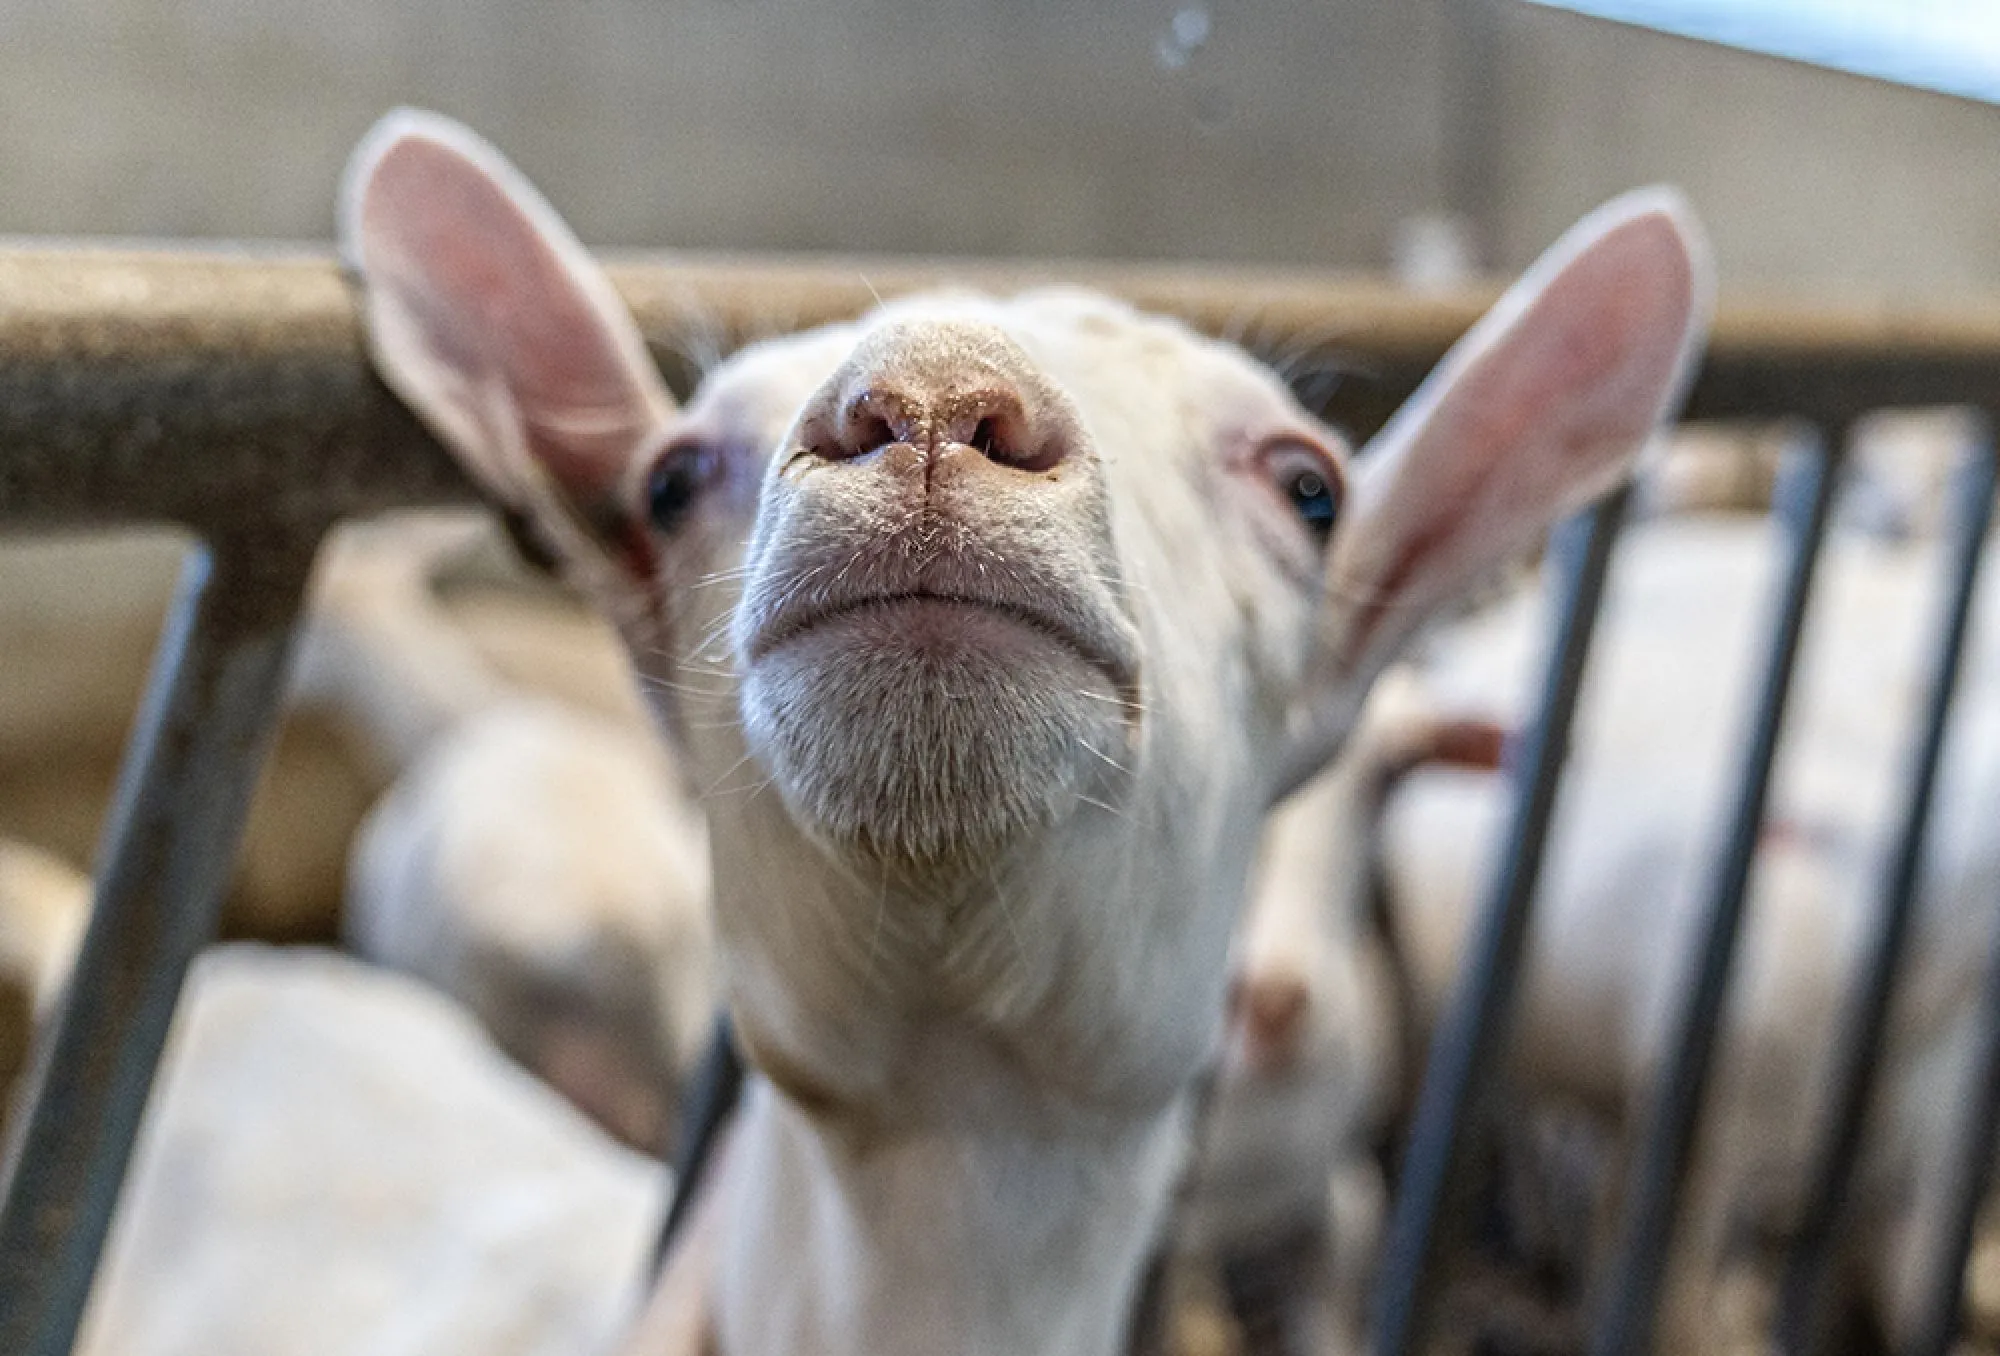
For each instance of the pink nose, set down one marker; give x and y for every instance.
(943, 388)
(1270, 1013)
(990, 422)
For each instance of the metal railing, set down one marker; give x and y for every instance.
(228, 393)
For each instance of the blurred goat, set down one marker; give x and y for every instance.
(1622, 897)
(539, 861)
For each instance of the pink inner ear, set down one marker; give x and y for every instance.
(498, 302)
(1530, 420)
(1582, 374)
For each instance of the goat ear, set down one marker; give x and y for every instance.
(486, 315)
(1540, 408)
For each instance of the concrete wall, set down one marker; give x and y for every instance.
(1298, 131)
(1017, 127)
(1808, 178)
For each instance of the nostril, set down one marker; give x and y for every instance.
(993, 422)
(866, 433)
(1270, 1011)
(870, 422)
(1002, 433)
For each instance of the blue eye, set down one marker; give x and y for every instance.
(677, 480)
(1313, 498)
(1310, 484)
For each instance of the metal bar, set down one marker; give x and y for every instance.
(183, 390)
(1970, 1176)
(1626, 1326)
(137, 385)
(712, 1097)
(169, 843)
(1806, 1296)
(1466, 1053)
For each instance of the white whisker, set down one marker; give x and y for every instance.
(1111, 810)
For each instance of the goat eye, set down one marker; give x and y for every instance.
(1310, 484)
(676, 482)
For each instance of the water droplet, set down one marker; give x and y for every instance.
(1191, 27)
(1186, 33)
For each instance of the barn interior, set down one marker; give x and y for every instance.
(452, 1132)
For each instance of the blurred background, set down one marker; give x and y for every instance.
(1837, 151)
(1335, 133)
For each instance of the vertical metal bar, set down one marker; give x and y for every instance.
(1805, 1299)
(169, 843)
(1466, 1053)
(711, 1100)
(1970, 1169)
(1639, 1264)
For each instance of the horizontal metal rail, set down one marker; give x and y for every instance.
(140, 386)
(228, 390)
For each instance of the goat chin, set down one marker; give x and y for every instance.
(993, 628)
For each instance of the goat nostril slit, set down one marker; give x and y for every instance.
(1003, 439)
(859, 433)
(869, 433)
(879, 417)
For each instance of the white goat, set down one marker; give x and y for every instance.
(542, 866)
(337, 1162)
(1625, 885)
(1286, 1185)
(538, 861)
(1044, 604)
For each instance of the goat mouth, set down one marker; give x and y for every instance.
(1094, 645)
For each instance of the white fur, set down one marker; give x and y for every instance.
(336, 1162)
(542, 866)
(538, 861)
(1303, 1094)
(1285, 1150)
(1634, 840)
(987, 739)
